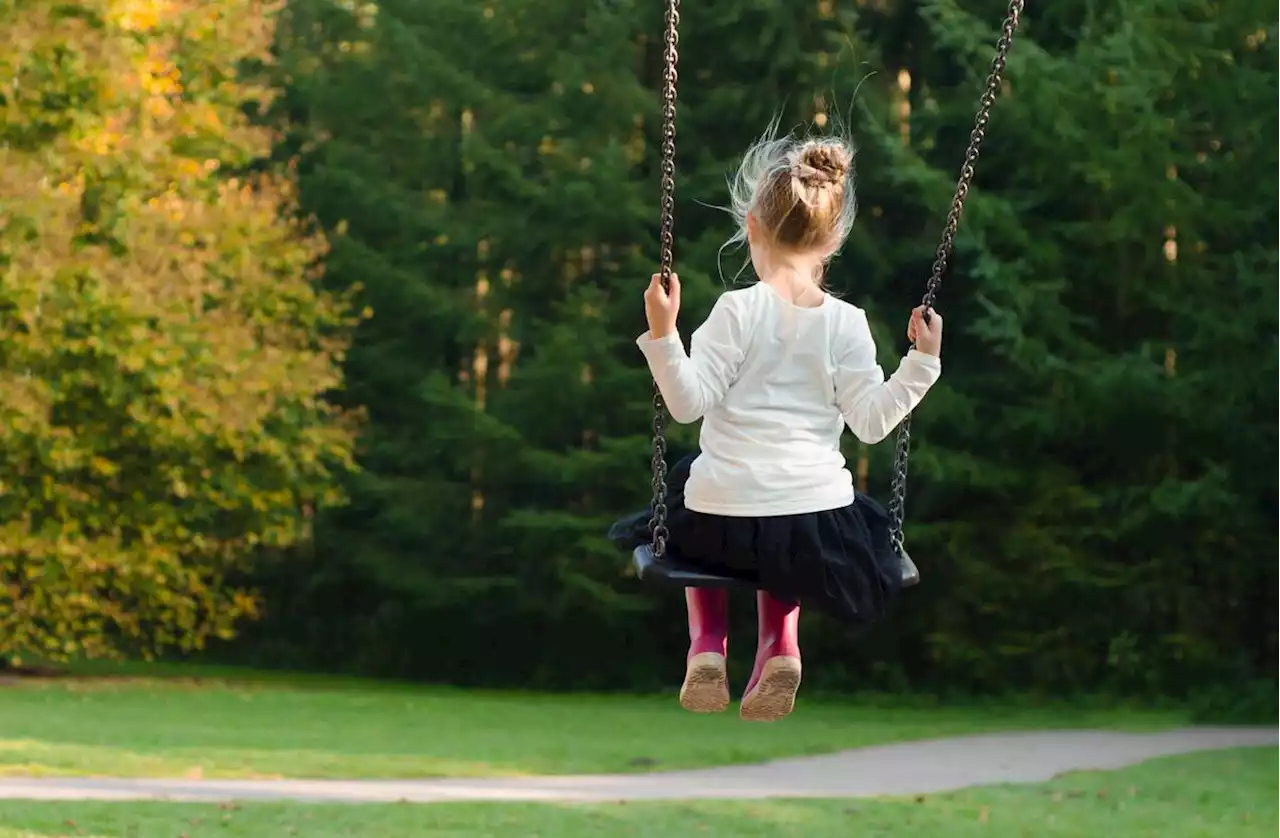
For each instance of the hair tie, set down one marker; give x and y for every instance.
(810, 176)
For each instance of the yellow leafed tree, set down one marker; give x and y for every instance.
(165, 349)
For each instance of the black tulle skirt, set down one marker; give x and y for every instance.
(838, 561)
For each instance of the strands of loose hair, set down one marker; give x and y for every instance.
(772, 156)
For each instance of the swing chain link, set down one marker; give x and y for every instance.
(898, 492)
(671, 60)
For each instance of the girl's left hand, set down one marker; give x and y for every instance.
(661, 306)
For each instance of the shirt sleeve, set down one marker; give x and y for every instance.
(872, 406)
(693, 384)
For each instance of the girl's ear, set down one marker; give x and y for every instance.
(753, 227)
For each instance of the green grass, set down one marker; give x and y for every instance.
(240, 726)
(1212, 795)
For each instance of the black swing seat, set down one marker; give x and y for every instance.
(670, 571)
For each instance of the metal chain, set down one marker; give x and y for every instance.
(671, 60)
(898, 492)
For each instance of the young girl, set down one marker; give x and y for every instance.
(775, 373)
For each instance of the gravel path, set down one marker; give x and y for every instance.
(902, 769)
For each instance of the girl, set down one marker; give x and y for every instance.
(775, 373)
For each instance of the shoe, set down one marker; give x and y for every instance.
(771, 693)
(706, 678)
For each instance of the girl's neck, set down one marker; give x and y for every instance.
(798, 281)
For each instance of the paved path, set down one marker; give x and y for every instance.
(902, 769)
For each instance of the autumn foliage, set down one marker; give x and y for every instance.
(165, 349)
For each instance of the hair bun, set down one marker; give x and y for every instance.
(819, 164)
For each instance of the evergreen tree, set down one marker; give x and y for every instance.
(479, 175)
(1082, 503)
(1091, 514)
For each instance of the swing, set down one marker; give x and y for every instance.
(651, 560)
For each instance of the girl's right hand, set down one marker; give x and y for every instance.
(926, 336)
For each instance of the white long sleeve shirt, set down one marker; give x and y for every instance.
(775, 384)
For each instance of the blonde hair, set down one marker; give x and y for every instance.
(800, 190)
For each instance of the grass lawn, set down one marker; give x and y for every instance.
(1211, 795)
(238, 725)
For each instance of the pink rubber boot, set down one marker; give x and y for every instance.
(771, 693)
(706, 682)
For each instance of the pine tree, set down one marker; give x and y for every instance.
(1082, 501)
(1091, 518)
(479, 175)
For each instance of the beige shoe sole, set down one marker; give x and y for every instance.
(706, 684)
(774, 695)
